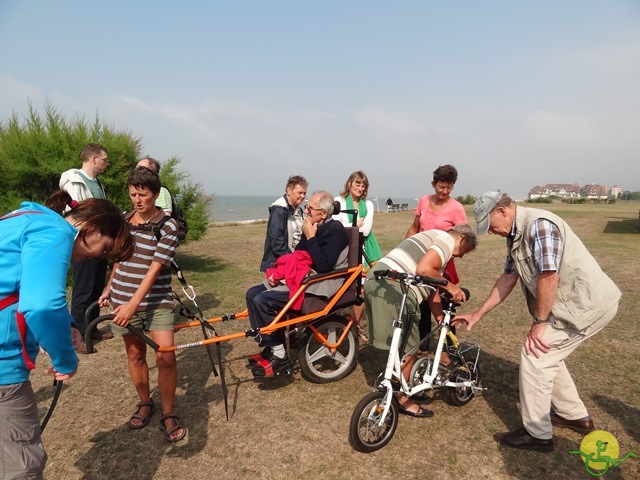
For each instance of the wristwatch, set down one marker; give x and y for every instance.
(538, 321)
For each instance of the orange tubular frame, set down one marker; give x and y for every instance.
(351, 275)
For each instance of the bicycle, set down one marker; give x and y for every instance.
(375, 418)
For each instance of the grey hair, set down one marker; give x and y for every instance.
(465, 230)
(325, 202)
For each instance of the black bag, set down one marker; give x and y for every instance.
(178, 215)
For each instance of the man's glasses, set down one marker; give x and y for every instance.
(312, 209)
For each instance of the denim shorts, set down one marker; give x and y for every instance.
(159, 320)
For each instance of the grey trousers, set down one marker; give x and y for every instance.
(545, 382)
(22, 455)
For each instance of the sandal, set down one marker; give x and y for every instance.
(177, 426)
(144, 419)
(362, 333)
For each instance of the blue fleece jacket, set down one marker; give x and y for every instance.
(35, 250)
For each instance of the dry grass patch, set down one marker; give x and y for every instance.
(289, 428)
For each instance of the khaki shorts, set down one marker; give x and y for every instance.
(159, 320)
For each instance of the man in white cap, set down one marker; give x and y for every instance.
(569, 298)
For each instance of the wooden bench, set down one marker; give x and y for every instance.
(404, 206)
(395, 207)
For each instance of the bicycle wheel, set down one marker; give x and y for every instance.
(317, 362)
(365, 433)
(460, 396)
(421, 366)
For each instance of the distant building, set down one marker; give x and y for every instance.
(573, 190)
(616, 191)
(594, 191)
(562, 190)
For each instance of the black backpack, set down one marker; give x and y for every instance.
(178, 215)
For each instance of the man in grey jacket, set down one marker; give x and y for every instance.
(569, 299)
(88, 275)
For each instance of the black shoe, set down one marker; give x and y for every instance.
(275, 366)
(265, 354)
(581, 425)
(419, 413)
(520, 438)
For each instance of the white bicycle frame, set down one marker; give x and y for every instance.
(393, 368)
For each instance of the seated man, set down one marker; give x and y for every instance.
(326, 242)
(425, 253)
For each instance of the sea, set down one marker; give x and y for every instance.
(249, 209)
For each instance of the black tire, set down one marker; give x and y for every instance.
(365, 435)
(317, 362)
(421, 366)
(462, 395)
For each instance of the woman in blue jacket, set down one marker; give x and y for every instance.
(36, 245)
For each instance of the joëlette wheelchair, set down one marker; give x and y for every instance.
(327, 341)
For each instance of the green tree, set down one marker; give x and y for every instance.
(466, 199)
(189, 195)
(35, 151)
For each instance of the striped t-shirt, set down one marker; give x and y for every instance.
(130, 273)
(405, 257)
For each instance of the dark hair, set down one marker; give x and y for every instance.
(445, 173)
(91, 149)
(357, 175)
(296, 180)
(142, 177)
(60, 201)
(155, 164)
(97, 216)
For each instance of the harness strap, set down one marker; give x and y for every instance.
(22, 328)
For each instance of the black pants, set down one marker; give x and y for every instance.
(88, 284)
(263, 305)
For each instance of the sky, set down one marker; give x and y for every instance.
(513, 93)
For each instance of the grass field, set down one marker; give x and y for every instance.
(290, 428)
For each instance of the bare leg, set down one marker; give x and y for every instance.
(167, 377)
(139, 372)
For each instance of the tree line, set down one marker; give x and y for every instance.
(36, 149)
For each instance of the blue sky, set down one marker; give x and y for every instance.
(512, 93)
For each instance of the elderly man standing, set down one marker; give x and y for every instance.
(569, 298)
(325, 240)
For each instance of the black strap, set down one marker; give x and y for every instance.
(207, 331)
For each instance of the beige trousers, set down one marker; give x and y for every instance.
(545, 382)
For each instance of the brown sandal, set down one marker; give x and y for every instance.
(362, 333)
(144, 419)
(177, 426)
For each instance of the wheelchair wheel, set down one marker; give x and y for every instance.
(462, 395)
(317, 362)
(365, 433)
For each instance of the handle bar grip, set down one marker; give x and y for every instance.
(431, 281)
(467, 294)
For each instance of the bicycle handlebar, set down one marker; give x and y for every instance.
(409, 277)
